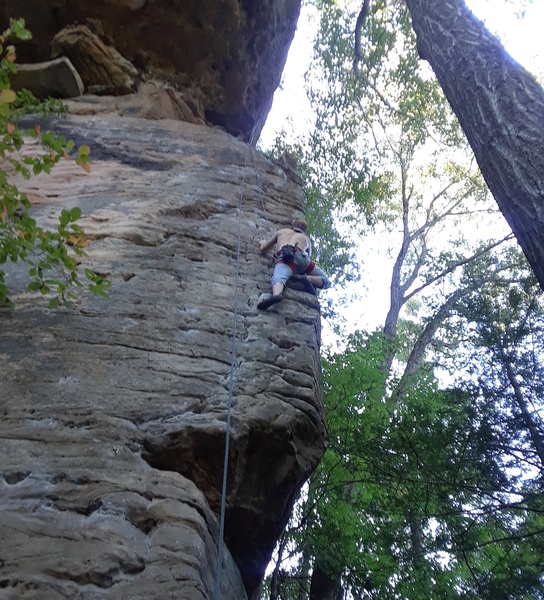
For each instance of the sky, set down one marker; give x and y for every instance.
(522, 38)
(291, 112)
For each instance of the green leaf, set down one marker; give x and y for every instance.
(64, 217)
(19, 30)
(7, 96)
(75, 213)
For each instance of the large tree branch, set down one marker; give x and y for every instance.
(396, 297)
(363, 13)
(524, 535)
(534, 432)
(458, 264)
(425, 338)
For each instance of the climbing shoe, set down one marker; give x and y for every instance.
(308, 285)
(268, 300)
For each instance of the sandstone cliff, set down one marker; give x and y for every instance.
(114, 414)
(113, 422)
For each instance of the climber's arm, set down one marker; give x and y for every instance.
(265, 245)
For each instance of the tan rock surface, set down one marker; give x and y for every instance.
(101, 67)
(113, 415)
(54, 78)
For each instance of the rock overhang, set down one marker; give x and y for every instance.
(226, 57)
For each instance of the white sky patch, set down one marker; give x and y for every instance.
(521, 37)
(291, 114)
(291, 111)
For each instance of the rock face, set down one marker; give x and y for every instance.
(55, 78)
(114, 414)
(226, 54)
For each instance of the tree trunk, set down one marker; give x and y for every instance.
(304, 576)
(324, 585)
(500, 107)
(532, 427)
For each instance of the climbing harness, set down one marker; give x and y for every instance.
(287, 253)
(301, 265)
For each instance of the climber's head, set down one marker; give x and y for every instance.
(300, 225)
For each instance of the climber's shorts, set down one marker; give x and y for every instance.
(301, 265)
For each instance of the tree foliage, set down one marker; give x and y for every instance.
(438, 494)
(51, 255)
(432, 484)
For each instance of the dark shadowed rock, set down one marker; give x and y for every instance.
(230, 54)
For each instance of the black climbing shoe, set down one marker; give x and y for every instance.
(268, 300)
(308, 285)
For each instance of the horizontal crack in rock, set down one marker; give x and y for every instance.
(15, 476)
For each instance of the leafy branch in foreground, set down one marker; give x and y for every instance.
(50, 255)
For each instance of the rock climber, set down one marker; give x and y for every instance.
(292, 260)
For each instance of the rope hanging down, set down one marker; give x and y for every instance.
(220, 542)
(258, 179)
